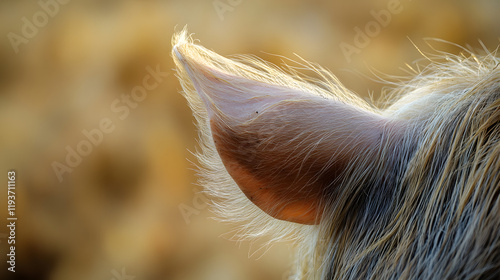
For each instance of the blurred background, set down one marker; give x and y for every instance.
(128, 207)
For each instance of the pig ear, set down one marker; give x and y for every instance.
(285, 147)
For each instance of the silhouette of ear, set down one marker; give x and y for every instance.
(284, 147)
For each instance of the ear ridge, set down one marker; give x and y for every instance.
(188, 55)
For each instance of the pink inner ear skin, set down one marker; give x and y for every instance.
(285, 170)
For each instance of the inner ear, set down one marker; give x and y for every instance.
(287, 157)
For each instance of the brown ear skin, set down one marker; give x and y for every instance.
(286, 172)
(258, 177)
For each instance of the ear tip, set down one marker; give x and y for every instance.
(184, 52)
(181, 37)
(180, 42)
(177, 53)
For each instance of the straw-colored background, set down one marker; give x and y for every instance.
(118, 211)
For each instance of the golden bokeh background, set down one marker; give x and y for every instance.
(118, 215)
